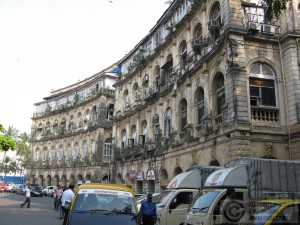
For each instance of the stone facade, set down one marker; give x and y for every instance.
(212, 80)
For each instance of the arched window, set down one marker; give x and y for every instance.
(156, 126)
(45, 154)
(214, 24)
(71, 124)
(84, 149)
(126, 99)
(79, 118)
(166, 72)
(168, 122)
(107, 147)
(183, 56)
(200, 104)
(69, 151)
(136, 93)
(60, 152)
(220, 93)
(124, 138)
(183, 113)
(37, 154)
(262, 86)
(53, 153)
(198, 41)
(110, 112)
(134, 135)
(142, 138)
(77, 150)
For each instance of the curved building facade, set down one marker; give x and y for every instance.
(211, 81)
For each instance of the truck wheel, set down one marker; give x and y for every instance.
(233, 211)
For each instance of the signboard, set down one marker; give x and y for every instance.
(151, 175)
(132, 175)
(139, 176)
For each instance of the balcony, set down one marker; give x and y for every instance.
(269, 115)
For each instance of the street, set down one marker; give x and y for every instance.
(40, 212)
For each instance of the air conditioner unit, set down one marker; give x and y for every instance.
(268, 29)
(213, 24)
(254, 26)
(169, 26)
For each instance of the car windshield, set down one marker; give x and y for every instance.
(104, 201)
(203, 201)
(263, 215)
(163, 198)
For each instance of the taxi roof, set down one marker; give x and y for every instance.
(105, 186)
(281, 201)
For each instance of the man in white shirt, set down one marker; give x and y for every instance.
(66, 200)
(27, 194)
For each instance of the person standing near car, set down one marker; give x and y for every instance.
(56, 194)
(66, 200)
(148, 211)
(27, 200)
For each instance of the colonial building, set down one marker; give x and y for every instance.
(211, 81)
(72, 132)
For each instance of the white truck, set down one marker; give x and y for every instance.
(173, 202)
(252, 178)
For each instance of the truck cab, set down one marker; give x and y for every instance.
(172, 204)
(205, 208)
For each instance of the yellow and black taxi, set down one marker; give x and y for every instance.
(97, 203)
(277, 211)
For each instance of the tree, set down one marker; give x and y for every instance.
(6, 139)
(275, 8)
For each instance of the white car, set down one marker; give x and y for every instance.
(48, 190)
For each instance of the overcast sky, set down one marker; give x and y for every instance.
(49, 44)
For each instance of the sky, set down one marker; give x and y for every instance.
(50, 44)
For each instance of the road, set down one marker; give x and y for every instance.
(40, 213)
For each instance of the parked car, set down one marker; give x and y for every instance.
(277, 211)
(14, 188)
(48, 190)
(109, 203)
(36, 191)
(20, 189)
(9, 187)
(3, 187)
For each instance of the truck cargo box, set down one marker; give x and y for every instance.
(269, 175)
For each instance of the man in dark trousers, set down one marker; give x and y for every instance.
(148, 211)
(27, 194)
(66, 200)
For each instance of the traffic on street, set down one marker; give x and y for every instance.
(41, 211)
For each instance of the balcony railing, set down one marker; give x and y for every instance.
(259, 114)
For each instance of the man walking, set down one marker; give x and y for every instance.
(27, 194)
(66, 200)
(148, 211)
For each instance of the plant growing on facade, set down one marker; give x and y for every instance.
(76, 98)
(275, 8)
(48, 108)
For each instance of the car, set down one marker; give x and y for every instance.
(36, 191)
(20, 189)
(139, 201)
(277, 211)
(3, 187)
(9, 186)
(48, 190)
(108, 203)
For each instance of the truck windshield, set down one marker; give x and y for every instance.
(203, 201)
(162, 199)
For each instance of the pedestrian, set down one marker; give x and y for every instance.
(66, 199)
(56, 194)
(61, 212)
(147, 211)
(27, 194)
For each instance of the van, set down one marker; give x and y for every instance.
(109, 203)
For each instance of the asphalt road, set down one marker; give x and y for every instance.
(41, 211)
